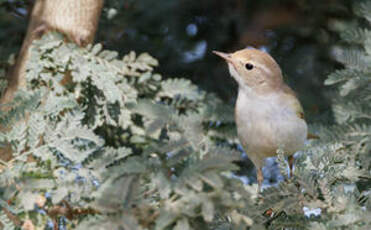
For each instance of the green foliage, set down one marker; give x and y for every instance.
(332, 176)
(117, 147)
(140, 152)
(6, 223)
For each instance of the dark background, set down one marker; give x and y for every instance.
(182, 34)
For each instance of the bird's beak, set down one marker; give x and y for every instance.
(225, 56)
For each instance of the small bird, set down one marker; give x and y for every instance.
(268, 114)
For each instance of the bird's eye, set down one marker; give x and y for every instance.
(249, 66)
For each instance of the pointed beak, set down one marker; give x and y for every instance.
(225, 56)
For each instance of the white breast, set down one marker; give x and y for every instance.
(265, 124)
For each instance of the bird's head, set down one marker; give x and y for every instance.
(253, 69)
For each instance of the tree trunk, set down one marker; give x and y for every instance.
(76, 19)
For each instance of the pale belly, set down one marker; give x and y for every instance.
(263, 128)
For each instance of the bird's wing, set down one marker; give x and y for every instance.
(294, 103)
(296, 106)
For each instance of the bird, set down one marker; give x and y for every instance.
(268, 114)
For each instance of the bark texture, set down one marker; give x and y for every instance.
(76, 19)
